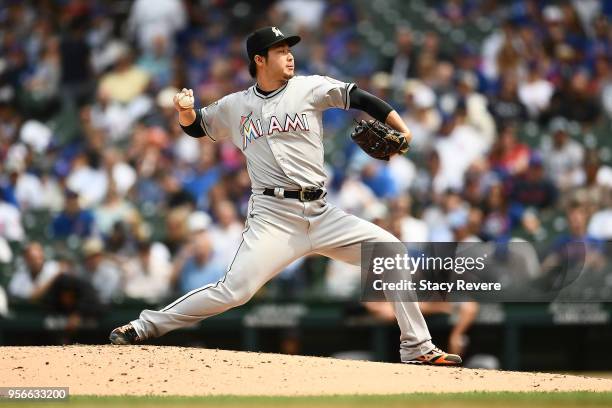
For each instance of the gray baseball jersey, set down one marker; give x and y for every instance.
(281, 136)
(280, 133)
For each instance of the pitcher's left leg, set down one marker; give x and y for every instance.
(339, 235)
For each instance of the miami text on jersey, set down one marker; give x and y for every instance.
(251, 129)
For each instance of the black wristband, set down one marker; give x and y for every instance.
(195, 129)
(370, 104)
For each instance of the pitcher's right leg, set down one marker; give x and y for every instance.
(267, 247)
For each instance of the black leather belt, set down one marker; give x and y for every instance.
(306, 194)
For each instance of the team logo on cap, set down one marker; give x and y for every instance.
(277, 32)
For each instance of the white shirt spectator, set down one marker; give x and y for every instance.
(342, 280)
(10, 222)
(106, 280)
(113, 118)
(457, 151)
(124, 177)
(23, 286)
(414, 230)
(6, 254)
(91, 184)
(438, 225)
(225, 242)
(403, 171)
(187, 149)
(564, 164)
(604, 176)
(536, 95)
(148, 21)
(305, 13)
(478, 115)
(354, 196)
(149, 281)
(600, 226)
(51, 194)
(28, 192)
(36, 134)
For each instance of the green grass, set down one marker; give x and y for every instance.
(463, 400)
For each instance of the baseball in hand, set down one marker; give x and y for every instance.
(185, 101)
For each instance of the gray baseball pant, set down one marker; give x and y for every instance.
(277, 232)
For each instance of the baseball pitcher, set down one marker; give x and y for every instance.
(277, 124)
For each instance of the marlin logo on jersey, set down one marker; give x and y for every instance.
(251, 129)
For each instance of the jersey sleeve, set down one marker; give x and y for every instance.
(330, 93)
(215, 119)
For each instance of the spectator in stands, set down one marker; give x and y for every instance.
(197, 267)
(563, 156)
(157, 63)
(412, 229)
(10, 219)
(147, 276)
(577, 250)
(575, 100)
(126, 82)
(459, 222)
(403, 64)
(114, 209)
(458, 146)
(594, 193)
(505, 106)
(438, 216)
(148, 23)
(34, 275)
(509, 157)
(226, 233)
(176, 229)
(534, 188)
(75, 58)
(103, 274)
(535, 92)
(73, 220)
(355, 61)
(377, 177)
(477, 113)
(88, 178)
(497, 223)
(206, 174)
(26, 185)
(42, 81)
(109, 116)
(600, 225)
(421, 117)
(121, 174)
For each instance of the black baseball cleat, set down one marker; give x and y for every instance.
(124, 335)
(436, 357)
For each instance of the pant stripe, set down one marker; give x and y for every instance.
(193, 292)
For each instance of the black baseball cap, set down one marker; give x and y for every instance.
(266, 37)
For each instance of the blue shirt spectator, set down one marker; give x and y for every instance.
(73, 220)
(197, 266)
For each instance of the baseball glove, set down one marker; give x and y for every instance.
(379, 140)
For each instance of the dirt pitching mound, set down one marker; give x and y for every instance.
(153, 370)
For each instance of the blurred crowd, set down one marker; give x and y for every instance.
(104, 197)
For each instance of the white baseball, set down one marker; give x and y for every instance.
(186, 101)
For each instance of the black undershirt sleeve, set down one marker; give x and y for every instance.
(195, 129)
(370, 104)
